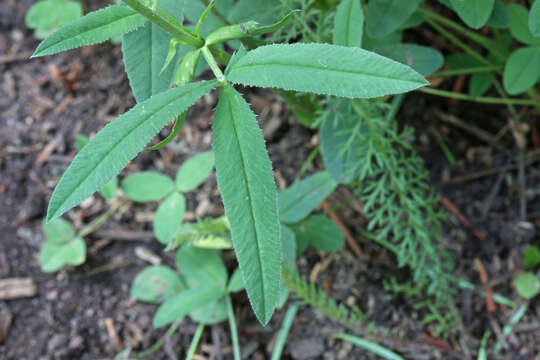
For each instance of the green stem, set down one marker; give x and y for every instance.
(479, 39)
(471, 70)
(307, 163)
(503, 94)
(195, 342)
(94, 224)
(212, 63)
(234, 330)
(160, 342)
(175, 29)
(284, 331)
(221, 56)
(457, 42)
(216, 13)
(203, 16)
(395, 106)
(479, 99)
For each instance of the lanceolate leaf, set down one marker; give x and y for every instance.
(386, 16)
(114, 146)
(522, 70)
(324, 69)
(246, 182)
(144, 51)
(297, 201)
(474, 13)
(93, 28)
(349, 24)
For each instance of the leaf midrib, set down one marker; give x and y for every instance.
(289, 66)
(113, 146)
(90, 30)
(254, 222)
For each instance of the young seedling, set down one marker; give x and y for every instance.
(47, 16)
(148, 186)
(244, 172)
(63, 246)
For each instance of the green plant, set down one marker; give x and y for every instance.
(369, 346)
(527, 283)
(47, 16)
(148, 186)
(63, 246)
(244, 171)
(531, 258)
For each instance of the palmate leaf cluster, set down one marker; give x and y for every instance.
(364, 148)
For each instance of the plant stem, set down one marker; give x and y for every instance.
(203, 16)
(234, 330)
(457, 42)
(307, 163)
(479, 39)
(284, 331)
(212, 63)
(221, 56)
(216, 13)
(160, 342)
(471, 70)
(94, 224)
(195, 342)
(395, 105)
(479, 99)
(176, 30)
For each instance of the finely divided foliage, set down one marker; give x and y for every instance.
(244, 171)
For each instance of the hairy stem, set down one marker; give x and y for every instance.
(176, 30)
(212, 63)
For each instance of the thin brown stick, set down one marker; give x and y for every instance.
(348, 236)
(490, 303)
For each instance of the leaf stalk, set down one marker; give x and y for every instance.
(172, 27)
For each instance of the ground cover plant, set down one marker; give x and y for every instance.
(341, 67)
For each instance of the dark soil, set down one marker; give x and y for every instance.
(77, 312)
